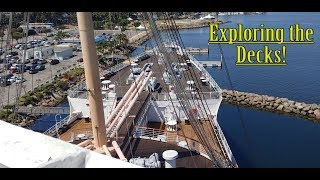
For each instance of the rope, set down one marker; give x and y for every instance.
(166, 89)
(192, 74)
(200, 125)
(245, 133)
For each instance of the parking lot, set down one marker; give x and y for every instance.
(9, 93)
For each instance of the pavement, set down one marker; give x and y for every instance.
(34, 80)
(9, 93)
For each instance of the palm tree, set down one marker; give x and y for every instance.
(122, 39)
(111, 46)
(60, 35)
(101, 47)
(17, 35)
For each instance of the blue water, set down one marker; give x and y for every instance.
(48, 120)
(264, 139)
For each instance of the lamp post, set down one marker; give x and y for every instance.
(55, 117)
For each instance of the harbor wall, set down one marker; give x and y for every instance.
(271, 103)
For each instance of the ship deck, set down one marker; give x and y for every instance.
(143, 147)
(120, 78)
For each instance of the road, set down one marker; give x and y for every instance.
(9, 93)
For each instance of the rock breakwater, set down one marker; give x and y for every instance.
(270, 103)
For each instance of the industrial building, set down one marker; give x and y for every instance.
(63, 51)
(38, 53)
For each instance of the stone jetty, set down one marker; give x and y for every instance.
(270, 103)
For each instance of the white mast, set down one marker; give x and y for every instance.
(91, 69)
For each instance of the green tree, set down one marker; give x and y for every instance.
(108, 25)
(123, 23)
(17, 35)
(1, 36)
(121, 39)
(60, 35)
(136, 23)
(20, 30)
(111, 46)
(102, 47)
(98, 24)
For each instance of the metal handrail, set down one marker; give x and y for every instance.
(204, 95)
(169, 136)
(212, 82)
(58, 125)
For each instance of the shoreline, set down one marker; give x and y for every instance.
(142, 37)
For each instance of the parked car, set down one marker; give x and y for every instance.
(42, 61)
(12, 69)
(14, 59)
(7, 65)
(13, 53)
(54, 61)
(20, 80)
(26, 61)
(8, 76)
(30, 66)
(40, 67)
(33, 71)
(34, 61)
(12, 79)
(20, 68)
(18, 46)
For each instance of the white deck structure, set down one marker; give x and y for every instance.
(22, 148)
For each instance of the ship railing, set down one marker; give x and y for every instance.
(116, 68)
(78, 90)
(223, 142)
(142, 119)
(53, 129)
(202, 95)
(169, 136)
(212, 82)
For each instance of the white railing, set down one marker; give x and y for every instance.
(225, 144)
(203, 95)
(142, 119)
(53, 129)
(212, 82)
(167, 136)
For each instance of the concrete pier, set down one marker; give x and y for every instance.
(197, 50)
(211, 63)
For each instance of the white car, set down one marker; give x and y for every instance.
(12, 79)
(18, 46)
(20, 80)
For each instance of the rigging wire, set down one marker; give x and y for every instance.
(166, 89)
(203, 113)
(245, 133)
(185, 104)
(202, 100)
(162, 51)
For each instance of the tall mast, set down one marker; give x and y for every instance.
(91, 70)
